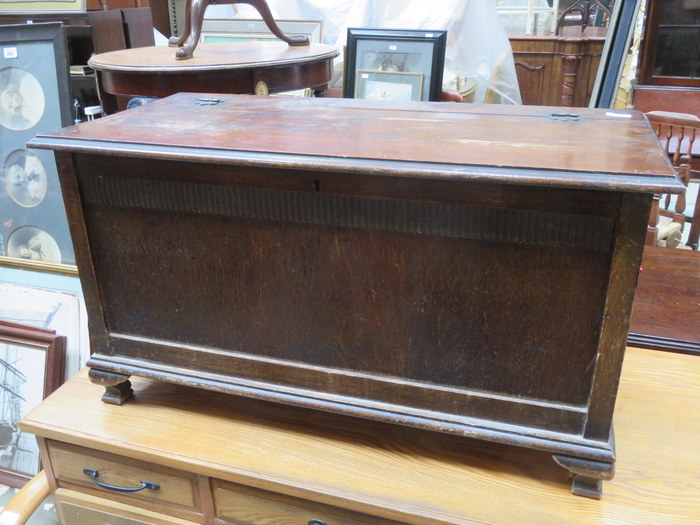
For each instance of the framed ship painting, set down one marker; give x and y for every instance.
(31, 366)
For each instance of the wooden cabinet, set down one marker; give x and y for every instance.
(259, 463)
(556, 70)
(75, 508)
(238, 504)
(669, 62)
(461, 268)
(74, 466)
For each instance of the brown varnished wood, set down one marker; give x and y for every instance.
(540, 64)
(356, 183)
(217, 55)
(666, 98)
(195, 15)
(406, 133)
(624, 271)
(390, 472)
(666, 310)
(76, 222)
(230, 67)
(480, 288)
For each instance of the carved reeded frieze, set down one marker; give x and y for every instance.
(522, 226)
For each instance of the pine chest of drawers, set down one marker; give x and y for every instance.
(466, 269)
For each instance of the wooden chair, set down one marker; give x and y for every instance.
(26, 501)
(677, 133)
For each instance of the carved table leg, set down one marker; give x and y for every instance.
(588, 474)
(117, 386)
(179, 40)
(264, 10)
(195, 11)
(195, 16)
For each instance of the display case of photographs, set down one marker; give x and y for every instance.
(34, 98)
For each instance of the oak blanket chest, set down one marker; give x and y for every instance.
(462, 268)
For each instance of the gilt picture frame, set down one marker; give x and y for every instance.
(416, 52)
(32, 366)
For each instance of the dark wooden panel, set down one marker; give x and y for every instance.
(666, 311)
(556, 70)
(107, 30)
(138, 27)
(397, 287)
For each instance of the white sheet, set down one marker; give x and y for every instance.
(477, 45)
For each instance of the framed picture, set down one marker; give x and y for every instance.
(415, 54)
(31, 364)
(241, 30)
(34, 98)
(386, 85)
(42, 6)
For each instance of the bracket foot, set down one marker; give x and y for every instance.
(117, 386)
(588, 474)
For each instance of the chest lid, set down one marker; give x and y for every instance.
(575, 147)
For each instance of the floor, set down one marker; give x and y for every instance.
(44, 515)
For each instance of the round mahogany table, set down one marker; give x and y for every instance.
(221, 67)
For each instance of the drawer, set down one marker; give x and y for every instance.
(240, 505)
(174, 487)
(75, 508)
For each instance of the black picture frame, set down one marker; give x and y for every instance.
(34, 98)
(396, 50)
(32, 363)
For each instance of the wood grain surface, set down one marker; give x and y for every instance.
(393, 472)
(433, 139)
(224, 55)
(666, 308)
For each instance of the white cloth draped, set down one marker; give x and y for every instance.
(477, 45)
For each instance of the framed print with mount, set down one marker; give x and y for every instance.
(375, 56)
(239, 29)
(31, 363)
(34, 98)
(387, 85)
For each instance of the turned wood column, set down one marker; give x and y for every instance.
(568, 86)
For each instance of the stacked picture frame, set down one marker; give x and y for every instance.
(34, 98)
(31, 366)
(394, 64)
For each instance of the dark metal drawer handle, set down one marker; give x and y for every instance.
(92, 474)
(316, 522)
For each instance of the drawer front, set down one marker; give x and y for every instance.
(241, 505)
(81, 509)
(174, 487)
